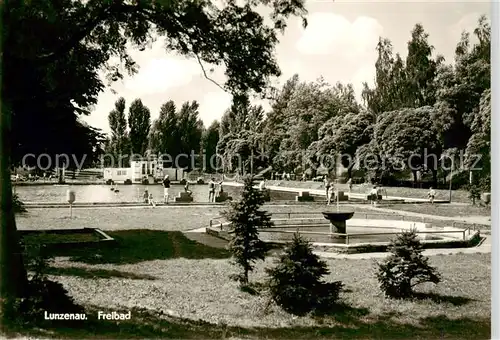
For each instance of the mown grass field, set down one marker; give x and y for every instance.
(179, 288)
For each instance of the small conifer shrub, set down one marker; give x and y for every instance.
(405, 268)
(296, 282)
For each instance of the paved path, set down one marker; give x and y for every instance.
(483, 248)
(321, 192)
(463, 219)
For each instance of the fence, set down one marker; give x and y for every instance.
(464, 231)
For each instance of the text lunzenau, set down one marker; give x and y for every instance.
(65, 316)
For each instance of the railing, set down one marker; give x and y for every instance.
(218, 221)
(356, 214)
(347, 236)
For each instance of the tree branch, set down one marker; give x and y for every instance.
(75, 39)
(205, 73)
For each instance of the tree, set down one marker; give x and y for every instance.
(119, 141)
(189, 132)
(420, 70)
(209, 142)
(405, 268)
(79, 40)
(344, 135)
(409, 138)
(163, 134)
(246, 218)
(460, 87)
(296, 282)
(139, 124)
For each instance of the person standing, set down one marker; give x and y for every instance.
(166, 186)
(349, 184)
(262, 185)
(211, 190)
(374, 196)
(431, 195)
(327, 185)
(329, 195)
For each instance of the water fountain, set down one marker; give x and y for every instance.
(338, 218)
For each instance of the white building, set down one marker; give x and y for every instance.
(151, 168)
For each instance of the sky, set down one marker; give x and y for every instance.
(338, 45)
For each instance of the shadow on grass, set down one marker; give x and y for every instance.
(88, 273)
(133, 246)
(151, 325)
(437, 298)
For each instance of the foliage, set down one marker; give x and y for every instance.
(246, 218)
(177, 132)
(139, 124)
(461, 86)
(405, 267)
(42, 295)
(240, 134)
(17, 204)
(474, 193)
(54, 53)
(295, 283)
(407, 138)
(209, 141)
(119, 142)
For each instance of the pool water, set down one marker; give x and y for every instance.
(355, 235)
(127, 193)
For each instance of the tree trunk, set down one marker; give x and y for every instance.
(434, 178)
(415, 178)
(13, 276)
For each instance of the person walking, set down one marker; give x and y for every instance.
(186, 189)
(349, 184)
(166, 186)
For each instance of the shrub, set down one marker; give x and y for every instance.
(246, 217)
(295, 283)
(474, 193)
(42, 295)
(183, 181)
(128, 181)
(405, 268)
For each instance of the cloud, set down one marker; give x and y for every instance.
(161, 75)
(329, 33)
(213, 105)
(467, 23)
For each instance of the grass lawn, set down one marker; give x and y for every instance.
(443, 209)
(180, 289)
(46, 238)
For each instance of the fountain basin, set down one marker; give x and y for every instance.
(337, 220)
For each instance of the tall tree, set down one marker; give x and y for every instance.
(209, 142)
(420, 70)
(460, 87)
(78, 41)
(189, 131)
(119, 140)
(139, 122)
(163, 134)
(246, 218)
